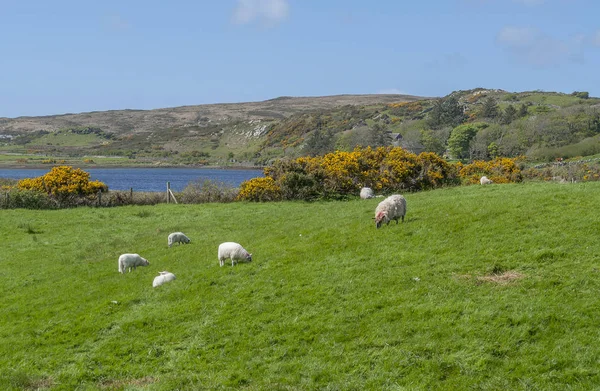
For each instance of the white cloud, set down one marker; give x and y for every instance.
(534, 47)
(267, 12)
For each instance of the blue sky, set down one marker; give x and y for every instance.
(68, 56)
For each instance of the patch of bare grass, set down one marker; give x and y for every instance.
(503, 278)
(117, 384)
(499, 278)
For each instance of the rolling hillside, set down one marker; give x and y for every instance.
(471, 124)
(202, 133)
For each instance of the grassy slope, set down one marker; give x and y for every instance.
(329, 301)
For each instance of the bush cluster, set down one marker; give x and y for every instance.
(12, 198)
(578, 171)
(341, 174)
(199, 192)
(499, 170)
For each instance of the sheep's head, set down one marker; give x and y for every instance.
(248, 257)
(380, 219)
(145, 262)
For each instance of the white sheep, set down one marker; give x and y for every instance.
(233, 251)
(178, 237)
(392, 208)
(129, 261)
(366, 193)
(485, 181)
(162, 278)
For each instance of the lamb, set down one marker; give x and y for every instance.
(178, 237)
(162, 278)
(392, 208)
(366, 193)
(233, 251)
(128, 261)
(485, 181)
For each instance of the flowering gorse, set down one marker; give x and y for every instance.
(341, 174)
(63, 181)
(499, 170)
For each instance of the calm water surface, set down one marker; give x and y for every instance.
(148, 179)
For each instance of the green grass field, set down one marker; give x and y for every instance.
(481, 288)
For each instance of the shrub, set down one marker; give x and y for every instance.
(342, 174)
(7, 183)
(62, 182)
(28, 199)
(260, 190)
(579, 171)
(499, 170)
(206, 191)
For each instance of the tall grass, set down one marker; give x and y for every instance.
(486, 288)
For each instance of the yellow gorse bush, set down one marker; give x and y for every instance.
(63, 181)
(259, 189)
(499, 170)
(340, 174)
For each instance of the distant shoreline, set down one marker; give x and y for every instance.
(13, 166)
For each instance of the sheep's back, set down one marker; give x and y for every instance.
(394, 206)
(231, 250)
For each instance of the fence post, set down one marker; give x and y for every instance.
(131, 194)
(168, 191)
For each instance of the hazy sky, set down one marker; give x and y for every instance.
(66, 56)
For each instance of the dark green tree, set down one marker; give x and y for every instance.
(523, 110)
(446, 112)
(490, 108)
(380, 136)
(509, 115)
(319, 143)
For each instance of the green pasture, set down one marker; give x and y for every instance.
(68, 139)
(481, 288)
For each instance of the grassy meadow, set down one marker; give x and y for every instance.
(481, 288)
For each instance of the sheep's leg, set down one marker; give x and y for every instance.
(403, 219)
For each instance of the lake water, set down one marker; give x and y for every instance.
(147, 179)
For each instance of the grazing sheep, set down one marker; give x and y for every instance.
(485, 181)
(178, 237)
(162, 278)
(392, 208)
(366, 193)
(233, 251)
(128, 261)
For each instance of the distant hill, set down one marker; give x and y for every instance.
(470, 124)
(202, 134)
(127, 121)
